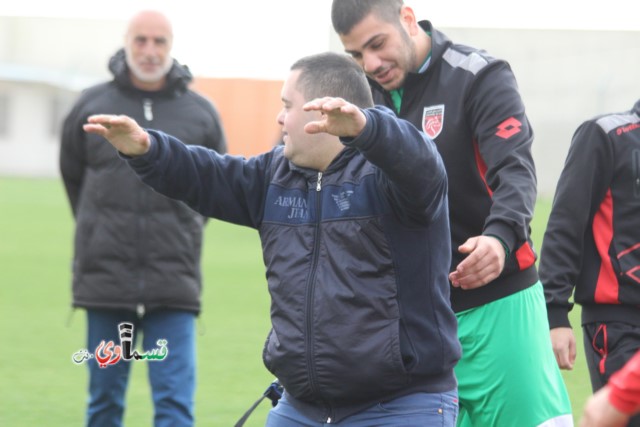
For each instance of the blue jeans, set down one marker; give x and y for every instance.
(415, 410)
(172, 379)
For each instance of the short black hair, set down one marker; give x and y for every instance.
(333, 74)
(345, 14)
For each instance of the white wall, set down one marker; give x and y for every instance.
(76, 47)
(30, 147)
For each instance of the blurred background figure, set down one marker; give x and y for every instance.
(137, 254)
(592, 246)
(613, 405)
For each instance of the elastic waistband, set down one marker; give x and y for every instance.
(501, 287)
(611, 313)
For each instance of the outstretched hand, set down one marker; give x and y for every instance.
(121, 131)
(339, 117)
(485, 261)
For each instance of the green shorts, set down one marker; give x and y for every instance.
(508, 375)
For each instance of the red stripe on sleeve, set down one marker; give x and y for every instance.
(607, 285)
(482, 167)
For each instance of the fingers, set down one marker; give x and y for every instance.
(564, 360)
(109, 121)
(474, 276)
(120, 131)
(325, 104)
(468, 246)
(563, 343)
(337, 117)
(105, 120)
(572, 355)
(322, 105)
(483, 264)
(97, 129)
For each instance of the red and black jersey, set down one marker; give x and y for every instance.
(468, 102)
(592, 241)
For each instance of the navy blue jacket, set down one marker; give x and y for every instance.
(356, 259)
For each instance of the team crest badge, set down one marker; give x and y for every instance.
(432, 120)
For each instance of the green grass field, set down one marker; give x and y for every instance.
(39, 332)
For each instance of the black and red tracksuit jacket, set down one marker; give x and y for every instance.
(592, 241)
(468, 102)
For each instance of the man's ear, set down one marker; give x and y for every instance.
(408, 20)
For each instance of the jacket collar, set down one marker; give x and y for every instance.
(339, 162)
(178, 77)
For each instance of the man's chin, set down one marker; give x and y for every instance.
(391, 84)
(150, 77)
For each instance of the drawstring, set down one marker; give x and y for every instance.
(601, 351)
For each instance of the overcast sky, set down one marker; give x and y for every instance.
(268, 35)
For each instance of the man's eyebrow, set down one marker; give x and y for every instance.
(368, 43)
(159, 39)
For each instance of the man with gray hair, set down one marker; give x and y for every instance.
(137, 253)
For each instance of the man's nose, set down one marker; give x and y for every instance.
(370, 63)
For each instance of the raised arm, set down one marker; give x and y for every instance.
(396, 147)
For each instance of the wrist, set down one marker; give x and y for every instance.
(504, 245)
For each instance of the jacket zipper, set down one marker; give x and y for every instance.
(310, 288)
(147, 109)
(147, 105)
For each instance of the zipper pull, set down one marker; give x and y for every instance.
(148, 112)
(140, 311)
(319, 184)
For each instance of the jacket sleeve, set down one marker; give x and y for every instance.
(72, 157)
(398, 149)
(582, 185)
(229, 188)
(625, 387)
(503, 138)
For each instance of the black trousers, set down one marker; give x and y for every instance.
(607, 347)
